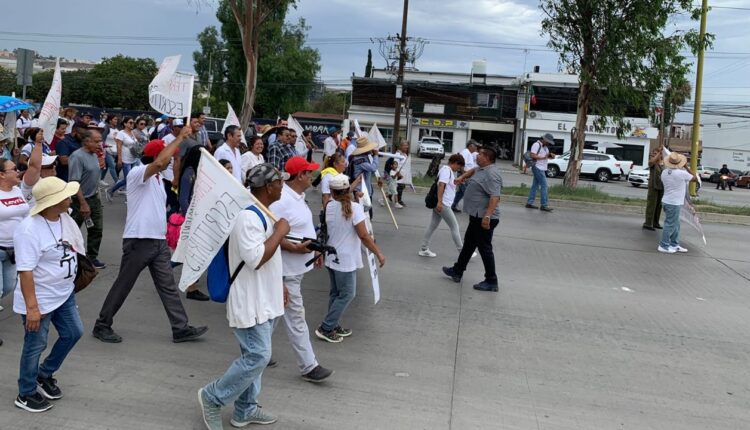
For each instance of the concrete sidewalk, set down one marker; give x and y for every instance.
(591, 329)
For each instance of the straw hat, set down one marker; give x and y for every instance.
(364, 146)
(675, 161)
(51, 191)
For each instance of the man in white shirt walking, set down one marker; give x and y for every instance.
(294, 258)
(330, 145)
(470, 162)
(540, 153)
(144, 245)
(255, 300)
(675, 178)
(231, 150)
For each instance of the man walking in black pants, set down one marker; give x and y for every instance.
(481, 198)
(144, 245)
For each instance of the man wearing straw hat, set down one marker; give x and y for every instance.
(364, 161)
(675, 178)
(255, 300)
(144, 245)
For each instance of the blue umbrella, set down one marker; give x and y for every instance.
(8, 104)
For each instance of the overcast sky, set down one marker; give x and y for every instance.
(341, 31)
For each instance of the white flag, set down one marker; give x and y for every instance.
(217, 200)
(357, 130)
(51, 108)
(372, 263)
(376, 136)
(299, 145)
(171, 92)
(232, 119)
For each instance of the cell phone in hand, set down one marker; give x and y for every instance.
(89, 222)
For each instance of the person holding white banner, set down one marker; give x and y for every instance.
(675, 178)
(144, 245)
(255, 299)
(347, 232)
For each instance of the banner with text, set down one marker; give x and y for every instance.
(217, 200)
(51, 108)
(372, 263)
(171, 92)
(232, 119)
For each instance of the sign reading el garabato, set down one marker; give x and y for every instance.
(567, 126)
(438, 122)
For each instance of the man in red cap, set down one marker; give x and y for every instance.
(294, 256)
(145, 245)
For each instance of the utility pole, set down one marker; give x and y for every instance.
(400, 79)
(698, 89)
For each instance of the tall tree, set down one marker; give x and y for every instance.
(215, 49)
(335, 102)
(368, 66)
(285, 68)
(621, 53)
(120, 82)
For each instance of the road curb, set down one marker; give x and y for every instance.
(609, 208)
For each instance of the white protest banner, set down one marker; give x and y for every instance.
(299, 145)
(51, 108)
(171, 92)
(217, 200)
(232, 119)
(357, 131)
(376, 136)
(372, 263)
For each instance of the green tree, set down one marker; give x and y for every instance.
(268, 78)
(621, 53)
(335, 102)
(368, 66)
(212, 43)
(120, 82)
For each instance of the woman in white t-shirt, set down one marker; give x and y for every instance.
(347, 232)
(46, 244)
(446, 194)
(253, 157)
(110, 149)
(334, 165)
(125, 139)
(13, 209)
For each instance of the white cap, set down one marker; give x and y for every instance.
(177, 122)
(48, 159)
(339, 182)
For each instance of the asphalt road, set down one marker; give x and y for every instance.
(592, 329)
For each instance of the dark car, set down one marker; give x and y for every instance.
(716, 177)
(214, 126)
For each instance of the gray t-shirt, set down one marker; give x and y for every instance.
(485, 183)
(188, 143)
(84, 168)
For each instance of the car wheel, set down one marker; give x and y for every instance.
(552, 171)
(635, 185)
(603, 175)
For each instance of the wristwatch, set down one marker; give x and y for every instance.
(486, 216)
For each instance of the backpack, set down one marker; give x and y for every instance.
(530, 161)
(431, 199)
(219, 278)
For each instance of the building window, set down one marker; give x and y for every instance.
(487, 100)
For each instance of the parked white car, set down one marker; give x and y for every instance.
(706, 172)
(431, 147)
(602, 167)
(638, 177)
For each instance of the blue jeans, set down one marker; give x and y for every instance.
(69, 328)
(459, 195)
(109, 166)
(8, 278)
(122, 182)
(343, 291)
(670, 236)
(241, 382)
(540, 181)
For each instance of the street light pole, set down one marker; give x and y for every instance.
(400, 80)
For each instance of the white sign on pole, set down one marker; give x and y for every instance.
(377, 137)
(373, 264)
(232, 119)
(51, 108)
(299, 145)
(218, 199)
(171, 92)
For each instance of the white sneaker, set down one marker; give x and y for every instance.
(398, 206)
(426, 253)
(1, 308)
(678, 248)
(382, 203)
(103, 184)
(666, 250)
(474, 254)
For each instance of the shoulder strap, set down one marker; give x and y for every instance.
(242, 262)
(540, 147)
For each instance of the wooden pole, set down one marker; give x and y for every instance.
(388, 205)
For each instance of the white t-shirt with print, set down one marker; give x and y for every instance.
(128, 142)
(13, 209)
(226, 153)
(256, 296)
(293, 208)
(675, 186)
(54, 266)
(448, 177)
(147, 206)
(343, 237)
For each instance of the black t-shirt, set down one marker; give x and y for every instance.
(724, 171)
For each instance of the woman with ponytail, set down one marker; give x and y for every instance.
(347, 232)
(334, 165)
